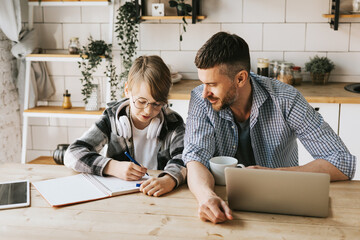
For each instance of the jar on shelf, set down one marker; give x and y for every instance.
(66, 101)
(263, 67)
(274, 68)
(285, 74)
(74, 45)
(297, 75)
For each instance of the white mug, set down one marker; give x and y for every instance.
(218, 165)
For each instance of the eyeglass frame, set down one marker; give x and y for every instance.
(153, 104)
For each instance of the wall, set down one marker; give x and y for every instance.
(290, 30)
(10, 132)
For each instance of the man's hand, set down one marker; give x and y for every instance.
(158, 186)
(214, 210)
(124, 170)
(259, 167)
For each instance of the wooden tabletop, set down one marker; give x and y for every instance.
(330, 93)
(173, 216)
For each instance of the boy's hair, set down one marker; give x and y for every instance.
(228, 51)
(153, 71)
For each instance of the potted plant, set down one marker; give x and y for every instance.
(182, 9)
(127, 29)
(92, 55)
(319, 68)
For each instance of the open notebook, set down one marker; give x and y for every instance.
(83, 187)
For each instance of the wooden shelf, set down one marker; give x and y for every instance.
(59, 112)
(342, 15)
(45, 57)
(170, 17)
(43, 160)
(44, 3)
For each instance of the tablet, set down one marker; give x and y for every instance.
(14, 194)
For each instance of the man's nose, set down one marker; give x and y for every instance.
(205, 92)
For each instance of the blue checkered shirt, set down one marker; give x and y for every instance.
(279, 115)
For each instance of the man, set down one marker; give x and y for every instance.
(255, 119)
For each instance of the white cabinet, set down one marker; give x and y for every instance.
(330, 113)
(180, 106)
(349, 131)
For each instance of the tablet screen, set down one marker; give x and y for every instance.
(14, 194)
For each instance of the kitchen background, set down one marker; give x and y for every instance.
(289, 30)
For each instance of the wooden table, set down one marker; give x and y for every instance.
(174, 216)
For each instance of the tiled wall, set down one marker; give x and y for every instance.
(290, 30)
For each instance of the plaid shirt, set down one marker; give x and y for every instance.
(83, 155)
(279, 115)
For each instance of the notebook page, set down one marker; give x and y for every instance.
(117, 186)
(68, 190)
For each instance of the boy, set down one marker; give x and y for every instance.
(140, 124)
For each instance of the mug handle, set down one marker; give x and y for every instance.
(240, 165)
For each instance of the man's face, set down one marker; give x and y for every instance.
(219, 89)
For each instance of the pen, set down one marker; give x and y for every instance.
(133, 160)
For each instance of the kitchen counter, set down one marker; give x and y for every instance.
(331, 93)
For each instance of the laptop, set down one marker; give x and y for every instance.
(275, 191)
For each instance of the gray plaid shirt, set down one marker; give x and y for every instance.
(279, 115)
(83, 155)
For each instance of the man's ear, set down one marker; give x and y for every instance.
(126, 90)
(241, 77)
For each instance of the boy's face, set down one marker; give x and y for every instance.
(139, 95)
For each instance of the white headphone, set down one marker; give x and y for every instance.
(124, 126)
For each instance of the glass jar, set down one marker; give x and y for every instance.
(285, 74)
(74, 45)
(263, 67)
(297, 75)
(274, 68)
(66, 101)
(356, 6)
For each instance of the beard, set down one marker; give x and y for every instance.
(226, 102)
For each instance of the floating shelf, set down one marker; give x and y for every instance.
(44, 3)
(55, 57)
(59, 112)
(170, 17)
(342, 15)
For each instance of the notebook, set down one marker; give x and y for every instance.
(275, 191)
(83, 187)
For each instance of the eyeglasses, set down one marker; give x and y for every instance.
(142, 103)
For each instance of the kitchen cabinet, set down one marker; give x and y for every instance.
(349, 131)
(330, 112)
(180, 106)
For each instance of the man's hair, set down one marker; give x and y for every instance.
(153, 71)
(228, 51)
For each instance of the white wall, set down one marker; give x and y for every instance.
(290, 30)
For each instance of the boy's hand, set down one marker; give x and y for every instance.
(158, 186)
(124, 170)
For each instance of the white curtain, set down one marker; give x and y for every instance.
(24, 43)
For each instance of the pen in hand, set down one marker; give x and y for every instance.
(133, 160)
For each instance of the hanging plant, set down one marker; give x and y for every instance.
(127, 29)
(92, 56)
(182, 9)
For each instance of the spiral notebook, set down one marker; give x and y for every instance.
(83, 188)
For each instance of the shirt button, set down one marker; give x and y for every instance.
(232, 127)
(234, 146)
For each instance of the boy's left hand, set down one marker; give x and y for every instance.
(158, 186)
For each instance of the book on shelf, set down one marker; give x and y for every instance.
(83, 188)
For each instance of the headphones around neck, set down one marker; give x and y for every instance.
(124, 127)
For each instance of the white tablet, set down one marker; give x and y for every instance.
(14, 194)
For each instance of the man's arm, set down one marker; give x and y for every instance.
(318, 166)
(201, 183)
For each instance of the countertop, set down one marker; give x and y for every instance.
(333, 92)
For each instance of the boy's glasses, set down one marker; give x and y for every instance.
(142, 103)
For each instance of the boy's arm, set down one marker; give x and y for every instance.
(83, 155)
(175, 166)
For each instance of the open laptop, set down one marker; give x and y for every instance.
(275, 191)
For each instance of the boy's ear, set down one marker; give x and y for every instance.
(126, 90)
